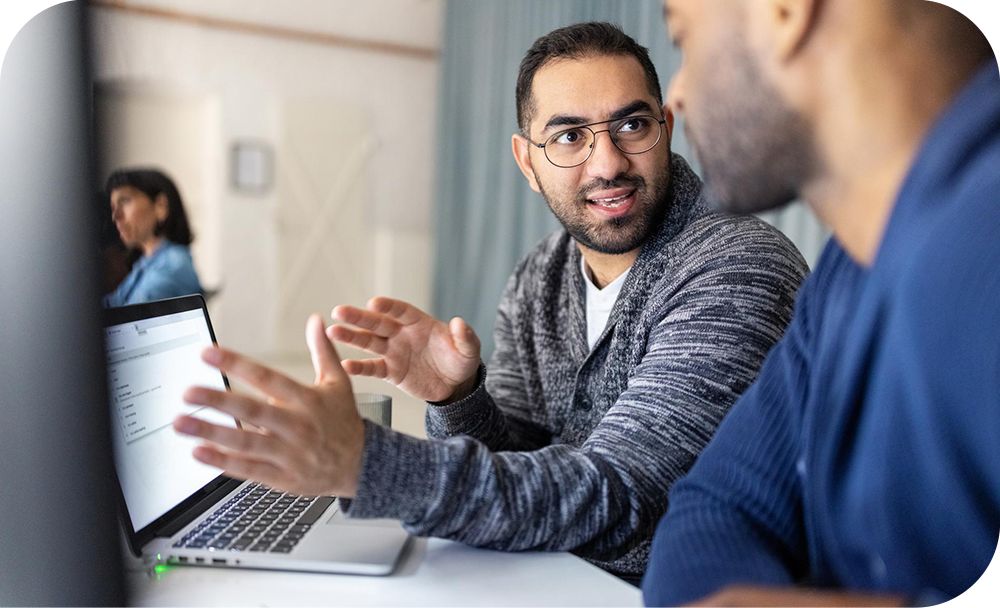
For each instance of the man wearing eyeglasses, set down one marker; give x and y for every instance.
(621, 341)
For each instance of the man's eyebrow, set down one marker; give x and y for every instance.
(636, 106)
(563, 120)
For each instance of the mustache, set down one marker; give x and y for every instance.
(622, 181)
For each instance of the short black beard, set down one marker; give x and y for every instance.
(625, 237)
(756, 152)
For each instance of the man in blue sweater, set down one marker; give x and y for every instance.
(865, 459)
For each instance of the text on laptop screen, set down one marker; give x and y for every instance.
(151, 362)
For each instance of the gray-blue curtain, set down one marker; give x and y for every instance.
(486, 217)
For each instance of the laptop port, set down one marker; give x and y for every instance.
(182, 559)
(199, 560)
(218, 560)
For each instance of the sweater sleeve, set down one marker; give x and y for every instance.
(482, 414)
(603, 497)
(737, 516)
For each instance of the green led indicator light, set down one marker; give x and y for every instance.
(161, 568)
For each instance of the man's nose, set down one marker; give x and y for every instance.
(606, 161)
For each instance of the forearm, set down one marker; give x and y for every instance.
(559, 498)
(478, 416)
(500, 410)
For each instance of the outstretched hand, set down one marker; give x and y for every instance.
(429, 359)
(309, 439)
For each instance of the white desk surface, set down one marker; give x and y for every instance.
(432, 572)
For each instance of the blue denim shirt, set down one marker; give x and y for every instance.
(168, 273)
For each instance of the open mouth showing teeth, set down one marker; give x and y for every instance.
(611, 203)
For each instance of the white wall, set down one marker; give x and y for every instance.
(256, 87)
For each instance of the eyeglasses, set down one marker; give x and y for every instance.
(572, 147)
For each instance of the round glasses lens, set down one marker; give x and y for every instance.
(570, 147)
(636, 134)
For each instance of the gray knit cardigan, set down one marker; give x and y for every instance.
(562, 447)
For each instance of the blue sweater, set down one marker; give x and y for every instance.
(867, 454)
(168, 273)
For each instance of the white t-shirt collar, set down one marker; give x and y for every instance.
(599, 302)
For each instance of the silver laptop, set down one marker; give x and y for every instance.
(180, 511)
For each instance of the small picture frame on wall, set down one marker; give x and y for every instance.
(251, 167)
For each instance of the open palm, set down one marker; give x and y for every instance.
(429, 359)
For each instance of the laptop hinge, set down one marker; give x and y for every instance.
(173, 526)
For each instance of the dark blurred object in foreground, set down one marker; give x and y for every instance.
(58, 536)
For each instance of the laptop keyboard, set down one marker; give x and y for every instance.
(257, 519)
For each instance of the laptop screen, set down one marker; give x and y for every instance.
(151, 362)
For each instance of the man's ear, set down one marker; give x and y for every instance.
(791, 23)
(521, 148)
(669, 115)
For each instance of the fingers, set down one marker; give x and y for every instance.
(465, 339)
(262, 378)
(240, 466)
(230, 451)
(378, 323)
(234, 439)
(360, 338)
(274, 419)
(375, 368)
(403, 312)
(325, 359)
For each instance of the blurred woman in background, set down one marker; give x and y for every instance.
(149, 215)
